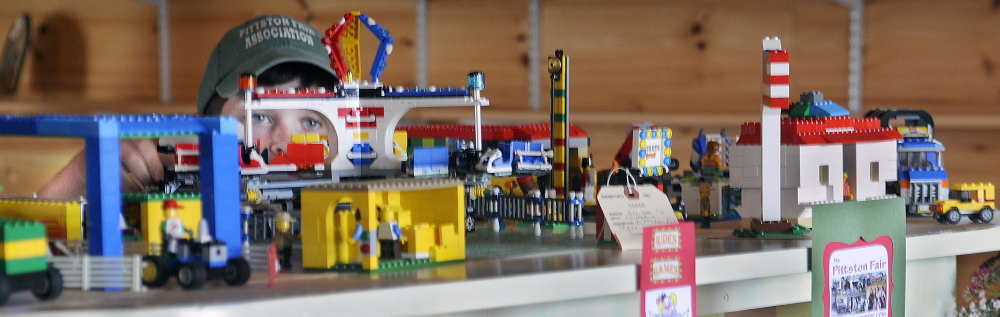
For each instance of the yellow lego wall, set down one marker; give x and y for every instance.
(152, 215)
(426, 208)
(67, 213)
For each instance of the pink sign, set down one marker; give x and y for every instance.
(666, 277)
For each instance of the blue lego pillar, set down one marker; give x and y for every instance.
(220, 181)
(104, 191)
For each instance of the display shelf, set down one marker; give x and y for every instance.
(514, 269)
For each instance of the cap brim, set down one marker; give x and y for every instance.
(261, 62)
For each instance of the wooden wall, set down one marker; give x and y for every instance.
(635, 55)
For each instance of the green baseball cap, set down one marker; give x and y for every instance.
(255, 46)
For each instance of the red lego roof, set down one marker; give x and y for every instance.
(833, 130)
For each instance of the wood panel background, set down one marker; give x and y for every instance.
(684, 64)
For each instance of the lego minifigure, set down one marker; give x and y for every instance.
(283, 238)
(173, 229)
(705, 192)
(711, 164)
(390, 238)
(847, 189)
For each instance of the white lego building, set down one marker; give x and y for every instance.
(815, 155)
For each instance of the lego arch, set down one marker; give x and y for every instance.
(219, 172)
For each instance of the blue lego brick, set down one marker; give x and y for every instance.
(18, 125)
(923, 174)
(430, 161)
(361, 154)
(919, 145)
(828, 108)
(220, 183)
(104, 203)
(443, 92)
(129, 126)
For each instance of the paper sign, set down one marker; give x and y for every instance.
(857, 278)
(859, 258)
(627, 212)
(666, 277)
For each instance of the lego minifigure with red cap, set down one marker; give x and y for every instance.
(173, 229)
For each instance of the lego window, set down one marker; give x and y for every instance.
(874, 171)
(824, 175)
(960, 195)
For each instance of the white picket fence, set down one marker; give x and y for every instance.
(86, 272)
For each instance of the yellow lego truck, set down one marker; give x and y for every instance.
(974, 200)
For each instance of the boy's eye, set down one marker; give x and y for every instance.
(260, 118)
(311, 123)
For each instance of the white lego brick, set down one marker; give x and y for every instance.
(807, 195)
(790, 208)
(750, 210)
(771, 43)
(775, 91)
(736, 176)
(805, 218)
(770, 163)
(778, 69)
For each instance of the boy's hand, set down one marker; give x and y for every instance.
(141, 164)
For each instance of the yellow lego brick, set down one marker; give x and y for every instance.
(344, 242)
(64, 214)
(23, 249)
(442, 254)
(399, 137)
(152, 215)
(403, 217)
(420, 238)
(369, 263)
(451, 245)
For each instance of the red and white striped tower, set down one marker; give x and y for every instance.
(775, 98)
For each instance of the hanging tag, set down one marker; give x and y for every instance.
(630, 208)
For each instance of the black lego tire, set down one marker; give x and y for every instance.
(192, 275)
(155, 271)
(52, 287)
(237, 272)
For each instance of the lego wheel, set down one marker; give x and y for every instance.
(940, 218)
(52, 287)
(237, 272)
(155, 271)
(953, 216)
(4, 289)
(192, 275)
(986, 215)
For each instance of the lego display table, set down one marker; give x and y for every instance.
(516, 273)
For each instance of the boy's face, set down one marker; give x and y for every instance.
(273, 129)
